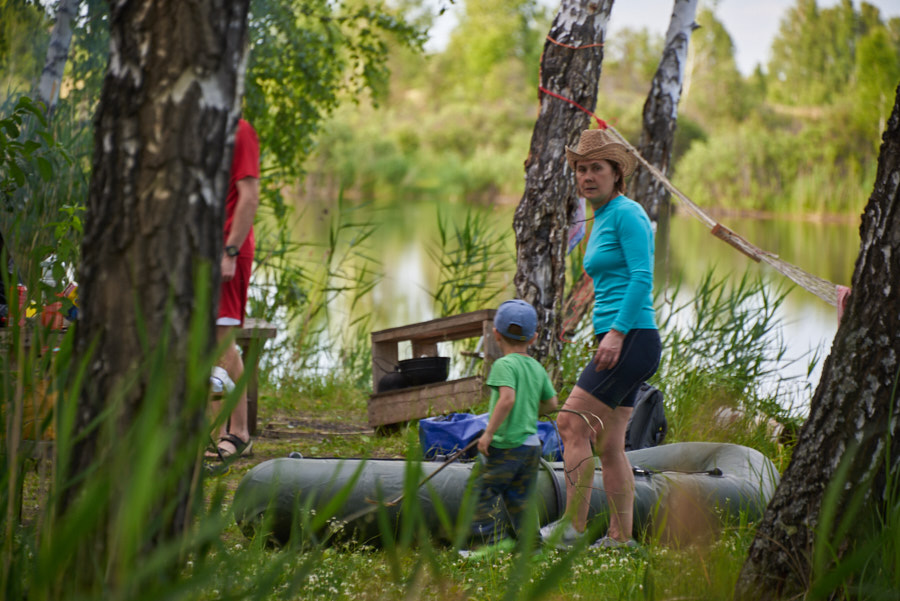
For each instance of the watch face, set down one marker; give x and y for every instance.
(232, 251)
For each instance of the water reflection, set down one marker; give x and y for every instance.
(407, 236)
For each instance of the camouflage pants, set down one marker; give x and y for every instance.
(506, 478)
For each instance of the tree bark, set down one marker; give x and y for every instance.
(657, 135)
(661, 113)
(541, 219)
(163, 139)
(57, 53)
(853, 414)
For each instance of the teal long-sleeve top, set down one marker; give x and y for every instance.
(619, 258)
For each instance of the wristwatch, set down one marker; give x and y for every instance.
(232, 251)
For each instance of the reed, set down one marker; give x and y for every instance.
(723, 356)
(722, 344)
(214, 561)
(311, 289)
(474, 261)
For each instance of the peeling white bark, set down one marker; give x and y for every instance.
(661, 112)
(541, 219)
(57, 53)
(855, 408)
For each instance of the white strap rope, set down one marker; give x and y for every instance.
(822, 288)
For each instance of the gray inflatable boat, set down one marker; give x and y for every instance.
(674, 483)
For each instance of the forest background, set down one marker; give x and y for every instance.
(799, 135)
(348, 106)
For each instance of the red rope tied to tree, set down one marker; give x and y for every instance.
(574, 47)
(585, 292)
(827, 291)
(601, 124)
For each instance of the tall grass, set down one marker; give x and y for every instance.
(212, 562)
(722, 365)
(723, 354)
(856, 553)
(474, 261)
(720, 348)
(310, 289)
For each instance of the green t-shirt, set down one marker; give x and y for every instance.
(528, 378)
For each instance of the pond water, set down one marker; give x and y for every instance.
(407, 235)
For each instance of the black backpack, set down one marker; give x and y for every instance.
(647, 426)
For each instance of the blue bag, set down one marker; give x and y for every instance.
(551, 445)
(446, 434)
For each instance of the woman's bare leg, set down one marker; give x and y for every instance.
(618, 478)
(580, 421)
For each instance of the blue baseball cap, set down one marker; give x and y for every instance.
(516, 319)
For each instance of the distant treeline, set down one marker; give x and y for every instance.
(800, 135)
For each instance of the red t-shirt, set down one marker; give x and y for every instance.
(245, 163)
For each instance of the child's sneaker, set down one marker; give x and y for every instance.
(488, 551)
(560, 534)
(607, 542)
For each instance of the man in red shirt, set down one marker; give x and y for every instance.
(237, 262)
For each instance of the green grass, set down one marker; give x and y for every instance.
(724, 347)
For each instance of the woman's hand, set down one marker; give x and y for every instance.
(608, 352)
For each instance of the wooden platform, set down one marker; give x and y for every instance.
(251, 338)
(406, 404)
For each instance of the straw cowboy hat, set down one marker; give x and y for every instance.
(600, 144)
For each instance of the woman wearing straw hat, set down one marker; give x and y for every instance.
(619, 258)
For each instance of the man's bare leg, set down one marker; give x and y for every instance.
(237, 423)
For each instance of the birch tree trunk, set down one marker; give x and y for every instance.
(661, 113)
(541, 219)
(853, 414)
(57, 53)
(163, 139)
(657, 135)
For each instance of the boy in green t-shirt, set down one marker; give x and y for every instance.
(520, 391)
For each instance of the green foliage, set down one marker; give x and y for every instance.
(304, 57)
(723, 351)
(41, 198)
(630, 61)
(495, 45)
(310, 289)
(738, 143)
(474, 260)
(758, 166)
(21, 52)
(86, 65)
(458, 152)
(714, 94)
(856, 554)
(876, 73)
(814, 54)
(19, 154)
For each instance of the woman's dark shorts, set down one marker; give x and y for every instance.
(617, 387)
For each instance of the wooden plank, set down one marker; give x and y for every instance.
(455, 327)
(425, 401)
(424, 349)
(252, 337)
(384, 361)
(491, 348)
(256, 328)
